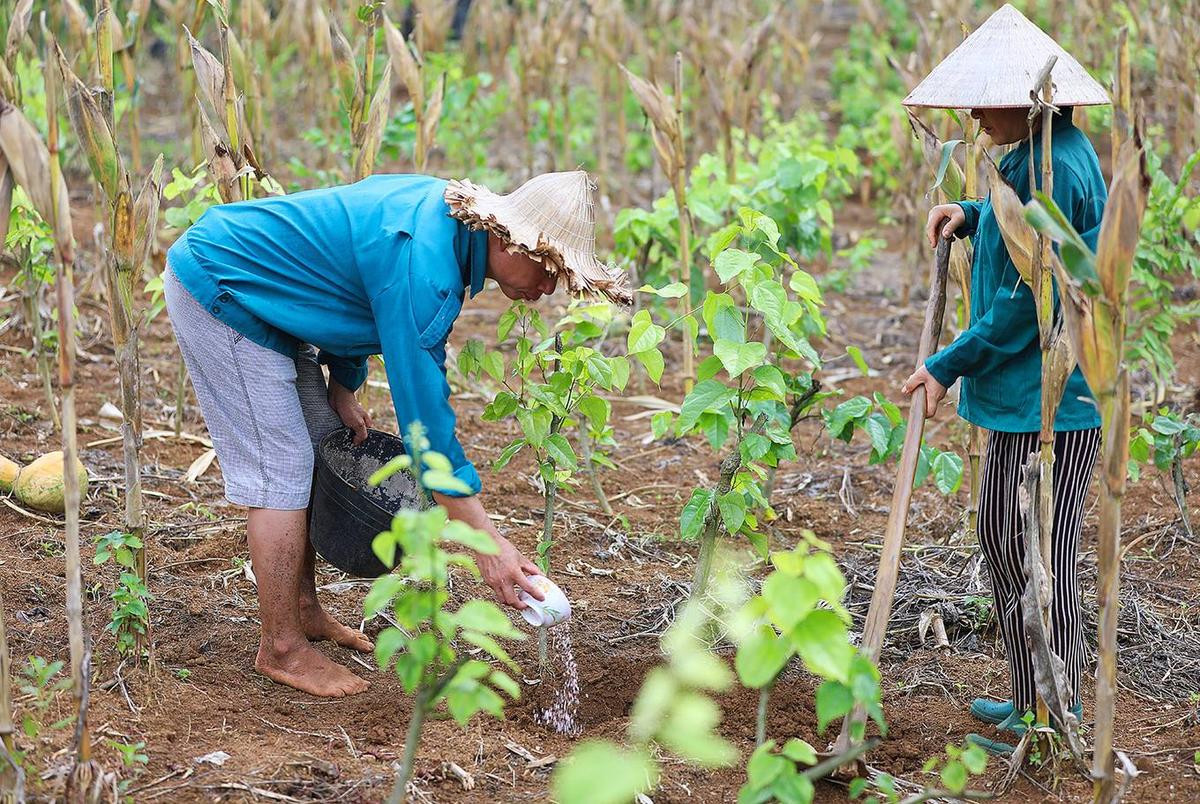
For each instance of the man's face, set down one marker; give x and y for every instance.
(1004, 126)
(519, 276)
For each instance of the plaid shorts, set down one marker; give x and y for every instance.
(265, 411)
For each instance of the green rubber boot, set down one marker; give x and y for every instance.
(1014, 724)
(991, 711)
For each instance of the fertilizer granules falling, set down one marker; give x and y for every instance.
(561, 714)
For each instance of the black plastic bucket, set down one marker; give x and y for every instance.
(347, 511)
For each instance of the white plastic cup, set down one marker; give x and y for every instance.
(555, 609)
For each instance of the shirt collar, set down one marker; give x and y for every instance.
(471, 251)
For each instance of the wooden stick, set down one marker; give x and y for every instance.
(893, 538)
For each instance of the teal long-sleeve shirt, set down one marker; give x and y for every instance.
(375, 267)
(999, 357)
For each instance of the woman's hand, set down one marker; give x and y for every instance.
(947, 216)
(934, 390)
(346, 406)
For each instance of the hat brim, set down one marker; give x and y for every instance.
(480, 208)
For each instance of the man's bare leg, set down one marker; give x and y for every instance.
(317, 623)
(277, 549)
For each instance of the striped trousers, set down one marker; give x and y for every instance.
(1002, 537)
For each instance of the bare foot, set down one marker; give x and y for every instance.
(318, 625)
(302, 666)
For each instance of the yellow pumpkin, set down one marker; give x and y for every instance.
(40, 484)
(8, 473)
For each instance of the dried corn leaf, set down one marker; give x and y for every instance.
(321, 41)
(210, 74)
(145, 212)
(1019, 236)
(18, 26)
(28, 165)
(220, 162)
(404, 63)
(1122, 223)
(433, 114)
(1061, 364)
(77, 21)
(6, 194)
(364, 161)
(8, 87)
(135, 18)
(655, 103)
(939, 156)
(200, 466)
(343, 61)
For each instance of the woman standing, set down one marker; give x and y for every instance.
(998, 358)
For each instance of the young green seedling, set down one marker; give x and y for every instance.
(425, 645)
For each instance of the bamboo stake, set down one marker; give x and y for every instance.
(893, 538)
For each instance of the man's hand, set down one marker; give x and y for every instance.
(352, 414)
(934, 390)
(947, 216)
(506, 570)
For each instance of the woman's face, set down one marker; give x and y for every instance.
(1004, 126)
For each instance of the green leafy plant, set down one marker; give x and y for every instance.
(884, 425)
(195, 193)
(423, 647)
(1168, 253)
(799, 614)
(552, 384)
(130, 620)
(791, 174)
(755, 387)
(1165, 441)
(551, 387)
(40, 684)
(31, 241)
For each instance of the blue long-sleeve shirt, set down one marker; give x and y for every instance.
(375, 267)
(999, 355)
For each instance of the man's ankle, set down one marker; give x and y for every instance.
(279, 646)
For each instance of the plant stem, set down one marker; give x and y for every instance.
(411, 740)
(1114, 413)
(585, 446)
(760, 727)
(39, 349)
(712, 518)
(1181, 487)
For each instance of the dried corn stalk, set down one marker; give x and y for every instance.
(411, 69)
(666, 118)
(130, 231)
(229, 150)
(368, 106)
(1094, 290)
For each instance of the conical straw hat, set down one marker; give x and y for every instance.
(551, 218)
(996, 67)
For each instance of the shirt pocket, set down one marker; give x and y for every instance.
(439, 326)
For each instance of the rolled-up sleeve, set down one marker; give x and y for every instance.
(350, 372)
(971, 210)
(420, 391)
